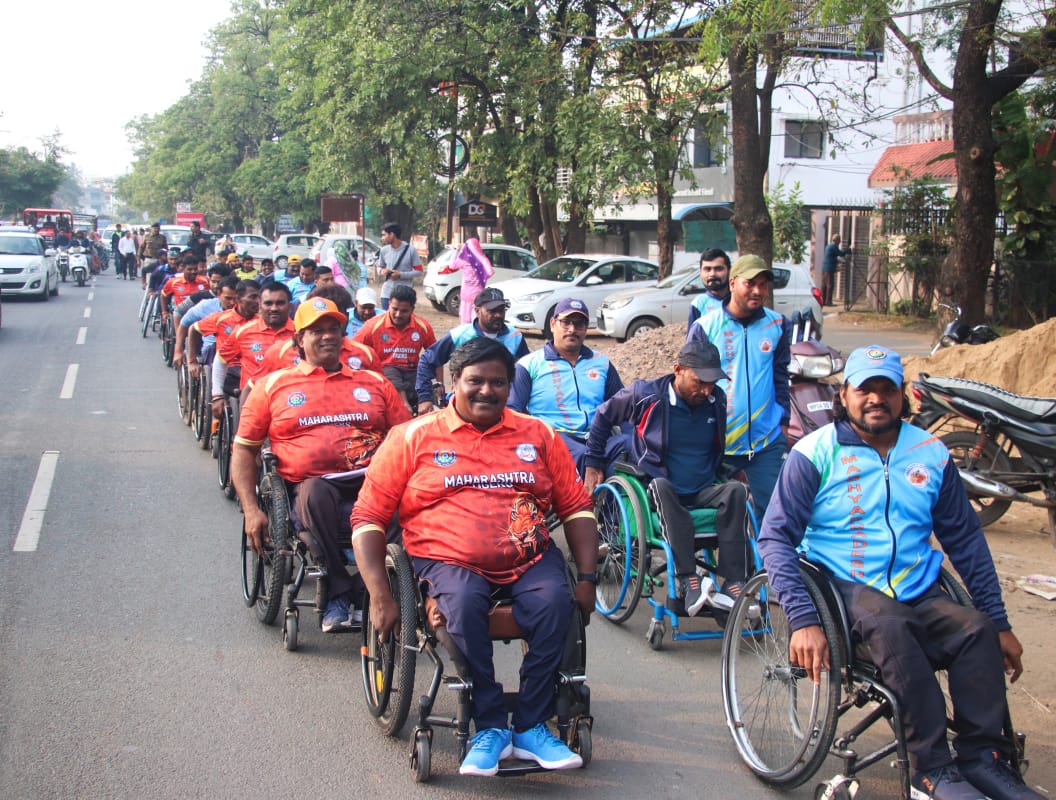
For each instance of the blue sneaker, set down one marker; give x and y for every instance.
(486, 749)
(538, 744)
(336, 615)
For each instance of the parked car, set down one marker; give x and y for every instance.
(366, 249)
(178, 237)
(445, 291)
(289, 244)
(589, 278)
(624, 315)
(27, 267)
(257, 246)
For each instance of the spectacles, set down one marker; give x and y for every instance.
(576, 322)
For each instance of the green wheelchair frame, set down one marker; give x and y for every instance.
(629, 530)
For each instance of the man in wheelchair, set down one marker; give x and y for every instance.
(862, 497)
(321, 418)
(473, 483)
(679, 439)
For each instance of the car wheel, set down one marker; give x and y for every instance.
(55, 290)
(453, 302)
(640, 326)
(45, 292)
(280, 262)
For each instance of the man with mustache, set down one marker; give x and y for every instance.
(715, 275)
(862, 496)
(564, 382)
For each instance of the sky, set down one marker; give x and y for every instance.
(102, 63)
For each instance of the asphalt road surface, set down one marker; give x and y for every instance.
(130, 668)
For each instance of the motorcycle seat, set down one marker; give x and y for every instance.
(1022, 407)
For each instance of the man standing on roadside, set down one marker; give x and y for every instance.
(197, 243)
(829, 264)
(398, 262)
(115, 241)
(753, 342)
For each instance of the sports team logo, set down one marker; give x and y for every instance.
(415, 336)
(918, 475)
(593, 374)
(444, 458)
(385, 337)
(361, 394)
(876, 354)
(354, 362)
(256, 347)
(228, 329)
(319, 304)
(526, 452)
(296, 399)
(765, 346)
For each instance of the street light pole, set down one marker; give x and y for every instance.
(451, 153)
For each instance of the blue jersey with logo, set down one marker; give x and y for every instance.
(702, 304)
(440, 353)
(754, 355)
(565, 396)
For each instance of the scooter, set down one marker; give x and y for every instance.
(1004, 444)
(811, 398)
(959, 332)
(62, 261)
(79, 266)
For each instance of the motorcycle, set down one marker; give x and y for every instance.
(1007, 449)
(62, 261)
(959, 332)
(811, 398)
(79, 265)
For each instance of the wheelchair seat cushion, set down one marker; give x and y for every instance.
(501, 624)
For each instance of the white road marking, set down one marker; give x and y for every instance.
(82, 334)
(33, 519)
(68, 384)
(91, 296)
(87, 312)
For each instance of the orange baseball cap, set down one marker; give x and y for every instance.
(314, 309)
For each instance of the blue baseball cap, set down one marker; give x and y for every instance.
(873, 361)
(570, 306)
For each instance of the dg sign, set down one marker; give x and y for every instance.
(476, 213)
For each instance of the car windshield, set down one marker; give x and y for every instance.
(563, 268)
(177, 237)
(673, 280)
(20, 246)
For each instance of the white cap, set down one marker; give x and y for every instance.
(367, 297)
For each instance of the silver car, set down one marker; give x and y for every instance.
(257, 246)
(624, 315)
(289, 244)
(27, 268)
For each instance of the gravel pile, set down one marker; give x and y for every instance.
(648, 355)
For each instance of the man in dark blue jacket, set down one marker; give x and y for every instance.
(679, 438)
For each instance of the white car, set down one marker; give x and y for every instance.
(624, 315)
(27, 267)
(366, 249)
(445, 290)
(590, 278)
(290, 244)
(257, 246)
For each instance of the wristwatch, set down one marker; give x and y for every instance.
(592, 577)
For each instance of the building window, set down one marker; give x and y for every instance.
(703, 154)
(804, 139)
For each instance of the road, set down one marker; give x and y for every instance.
(131, 668)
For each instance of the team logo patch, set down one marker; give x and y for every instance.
(228, 329)
(361, 394)
(593, 374)
(876, 354)
(354, 362)
(526, 452)
(444, 458)
(296, 399)
(319, 304)
(918, 475)
(415, 336)
(256, 347)
(385, 337)
(765, 346)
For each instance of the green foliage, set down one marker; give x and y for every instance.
(791, 224)
(28, 180)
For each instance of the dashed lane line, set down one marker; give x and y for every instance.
(69, 383)
(87, 312)
(82, 334)
(33, 519)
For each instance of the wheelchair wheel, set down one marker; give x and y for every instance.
(252, 567)
(203, 420)
(421, 756)
(148, 316)
(388, 667)
(183, 393)
(622, 539)
(168, 340)
(781, 722)
(225, 436)
(275, 563)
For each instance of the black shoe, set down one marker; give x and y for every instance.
(692, 596)
(944, 783)
(991, 774)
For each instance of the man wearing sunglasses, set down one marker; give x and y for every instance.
(564, 382)
(490, 310)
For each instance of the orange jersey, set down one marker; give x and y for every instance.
(248, 345)
(221, 324)
(319, 421)
(476, 499)
(179, 288)
(353, 355)
(396, 347)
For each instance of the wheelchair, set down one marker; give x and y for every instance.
(151, 315)
(783, 725)
(629, 536)
(225, 431)
(389, 671)
(168, 338)
(201, 408)
(285, 564)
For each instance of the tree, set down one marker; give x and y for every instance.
(982, 40)
(791, 224)
(27, 180)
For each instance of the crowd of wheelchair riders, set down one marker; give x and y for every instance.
(423, 511)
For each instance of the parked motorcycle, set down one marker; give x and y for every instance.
(811, 398)
(79, 264)
(1003, 444)
(62, 261)
(959, 332)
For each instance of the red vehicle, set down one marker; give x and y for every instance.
(48, 221)
(186, 218)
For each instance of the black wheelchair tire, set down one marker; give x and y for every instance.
(148, 316)
(276, 563)
(252, 566)
(421, 756)
(757, 634)
(388, 667)
(204, 420)
(168, 340)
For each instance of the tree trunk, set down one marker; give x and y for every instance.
(751, 218)
(665, 235)
(575, 229)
